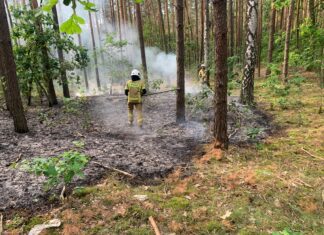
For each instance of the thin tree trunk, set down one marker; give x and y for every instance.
(287, 41)
(206, 41)
(311, 9)
(197, 31)
(271, 36)
(166, 7)
(94, 52)
(180, 62)
(8, 70)
(142, 45)
(247, 90)
(202, 26)
(220, 96)
(65, 85)
(297, 24)
(165, 45)
(231, 13)
(259, 42)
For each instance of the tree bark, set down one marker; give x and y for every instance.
(94, 52)
(297, 24)
(165, 45)
(166, 7)
(247, 89)
(271, 36)
(311, 9)
(259, 39)
(8, 70)
(231, 14)
(206, 41)
(220, 96)
(142, 45)
(180, 111)
(65, 85)
(287, 40)
(202, 21)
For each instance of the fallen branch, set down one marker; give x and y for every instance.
(304, 183)
(114, 169)
(16, 161)
(155, 227)
(312, 155)
(62, 195)
(233, 133)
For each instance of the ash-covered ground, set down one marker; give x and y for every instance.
(101, 124)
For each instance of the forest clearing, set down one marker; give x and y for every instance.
(161, 117)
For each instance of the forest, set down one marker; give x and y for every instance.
(161, 117)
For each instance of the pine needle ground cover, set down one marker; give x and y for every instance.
(271, 187)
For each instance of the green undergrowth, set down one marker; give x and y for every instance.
(274, 187)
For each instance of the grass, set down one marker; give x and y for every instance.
(273, 187)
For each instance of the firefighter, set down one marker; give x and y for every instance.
(202, 74)
(135, 89)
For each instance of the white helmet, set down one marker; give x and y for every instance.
(135, 72)
(203, 65)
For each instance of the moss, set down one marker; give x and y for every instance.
(32, 222)
(178, 203)
(84, 191)
(139, 213)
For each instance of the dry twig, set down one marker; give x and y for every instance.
(115, 169)
(312, 155)
(154, 225)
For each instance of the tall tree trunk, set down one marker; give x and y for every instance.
(94, 52)
(202, 26)
(259, 38)
(272, 30)
(8, 70)
(166, 7)
(247, 90)
(181, 112)
(112, 13)
(142, 45)
(297, 24)
(311, 9)
(287, 41)
(231, 26)
(220, 96)
(84, 69)
(197, 31)
(163, 27)
(65, 85)
(206, 41)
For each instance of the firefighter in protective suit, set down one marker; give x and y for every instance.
(202, 74)
(135, 89)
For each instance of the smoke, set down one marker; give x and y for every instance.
(115, 66)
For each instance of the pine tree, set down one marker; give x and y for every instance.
(220, 96)
(8, 71)
(180, 62)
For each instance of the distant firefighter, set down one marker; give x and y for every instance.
(135, 89)
(202, 74)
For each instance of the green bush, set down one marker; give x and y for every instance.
(60, 169)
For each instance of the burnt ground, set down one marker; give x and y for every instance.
(101, 124)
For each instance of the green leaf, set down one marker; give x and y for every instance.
(72, 25)
(138, 1)
(49, 5)
(88, 6)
